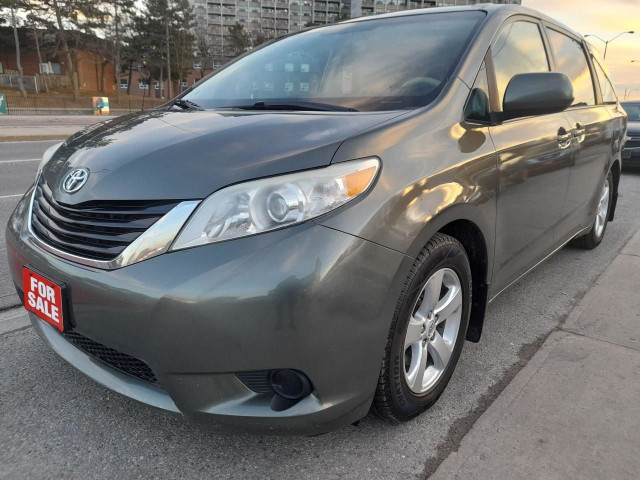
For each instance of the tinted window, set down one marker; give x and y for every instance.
(477, 107)
(519, 49)
(608, 93)
(572, 61)
(633, 111)
(383, 64)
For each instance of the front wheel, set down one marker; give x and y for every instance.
(427, 332)
(596, 234)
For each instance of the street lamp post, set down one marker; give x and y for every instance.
(607, 42)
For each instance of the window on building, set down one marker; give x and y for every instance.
(518, 49)
(572, 61)
(185, 84)
(143, 85)
(124, 83)
(606, 88)
(156, 85)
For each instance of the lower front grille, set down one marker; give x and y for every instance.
(115, 359)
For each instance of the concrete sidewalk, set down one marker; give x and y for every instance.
(574, 410)
(43, 127)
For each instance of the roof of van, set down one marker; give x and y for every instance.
(490, 8)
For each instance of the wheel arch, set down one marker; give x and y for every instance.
(616, 170)
(473, 231)
(473, 241)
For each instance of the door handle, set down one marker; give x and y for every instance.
(564, 138)
(580, 132)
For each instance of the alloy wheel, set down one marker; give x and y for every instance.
(432, 331)
(603, 209)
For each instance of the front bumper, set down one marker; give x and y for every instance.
(308, 298)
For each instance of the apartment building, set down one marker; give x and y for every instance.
(274, 18)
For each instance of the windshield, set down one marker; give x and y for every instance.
(384, 64)
(633, 111)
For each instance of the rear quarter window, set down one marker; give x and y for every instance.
(606, 87)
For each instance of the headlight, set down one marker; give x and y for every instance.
(271, 203)
(46, 156)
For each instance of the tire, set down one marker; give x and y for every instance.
(400, 394)
(592, 239)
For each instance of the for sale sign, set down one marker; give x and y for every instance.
(43, 297)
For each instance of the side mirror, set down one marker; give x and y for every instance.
(530, 94)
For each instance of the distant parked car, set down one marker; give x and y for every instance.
(317, 228)
(631, 152)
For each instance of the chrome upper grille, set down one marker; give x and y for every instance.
(96, 229)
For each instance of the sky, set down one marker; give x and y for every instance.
(605, 18)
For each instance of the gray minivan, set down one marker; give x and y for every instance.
(315, 229)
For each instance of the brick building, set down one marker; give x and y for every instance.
(90, 66)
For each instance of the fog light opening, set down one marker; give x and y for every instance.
(289, 386)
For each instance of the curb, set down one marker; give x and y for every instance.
(32, 138)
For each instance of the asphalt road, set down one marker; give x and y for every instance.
(56, 423)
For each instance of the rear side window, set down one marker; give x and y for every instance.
(519, 49)
(606, 88)
(572, 61)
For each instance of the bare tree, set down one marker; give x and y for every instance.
(204, 49)
(121, 9)
(13, 5)
(44, 77)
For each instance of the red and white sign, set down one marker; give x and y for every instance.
(43, 297)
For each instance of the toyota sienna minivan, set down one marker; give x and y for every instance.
(314, 230)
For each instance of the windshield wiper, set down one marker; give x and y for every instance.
(185, 104)
(299, 106)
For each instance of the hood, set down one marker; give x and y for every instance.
(166, 155)
(633, 129)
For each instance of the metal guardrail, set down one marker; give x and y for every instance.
(17, 105)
